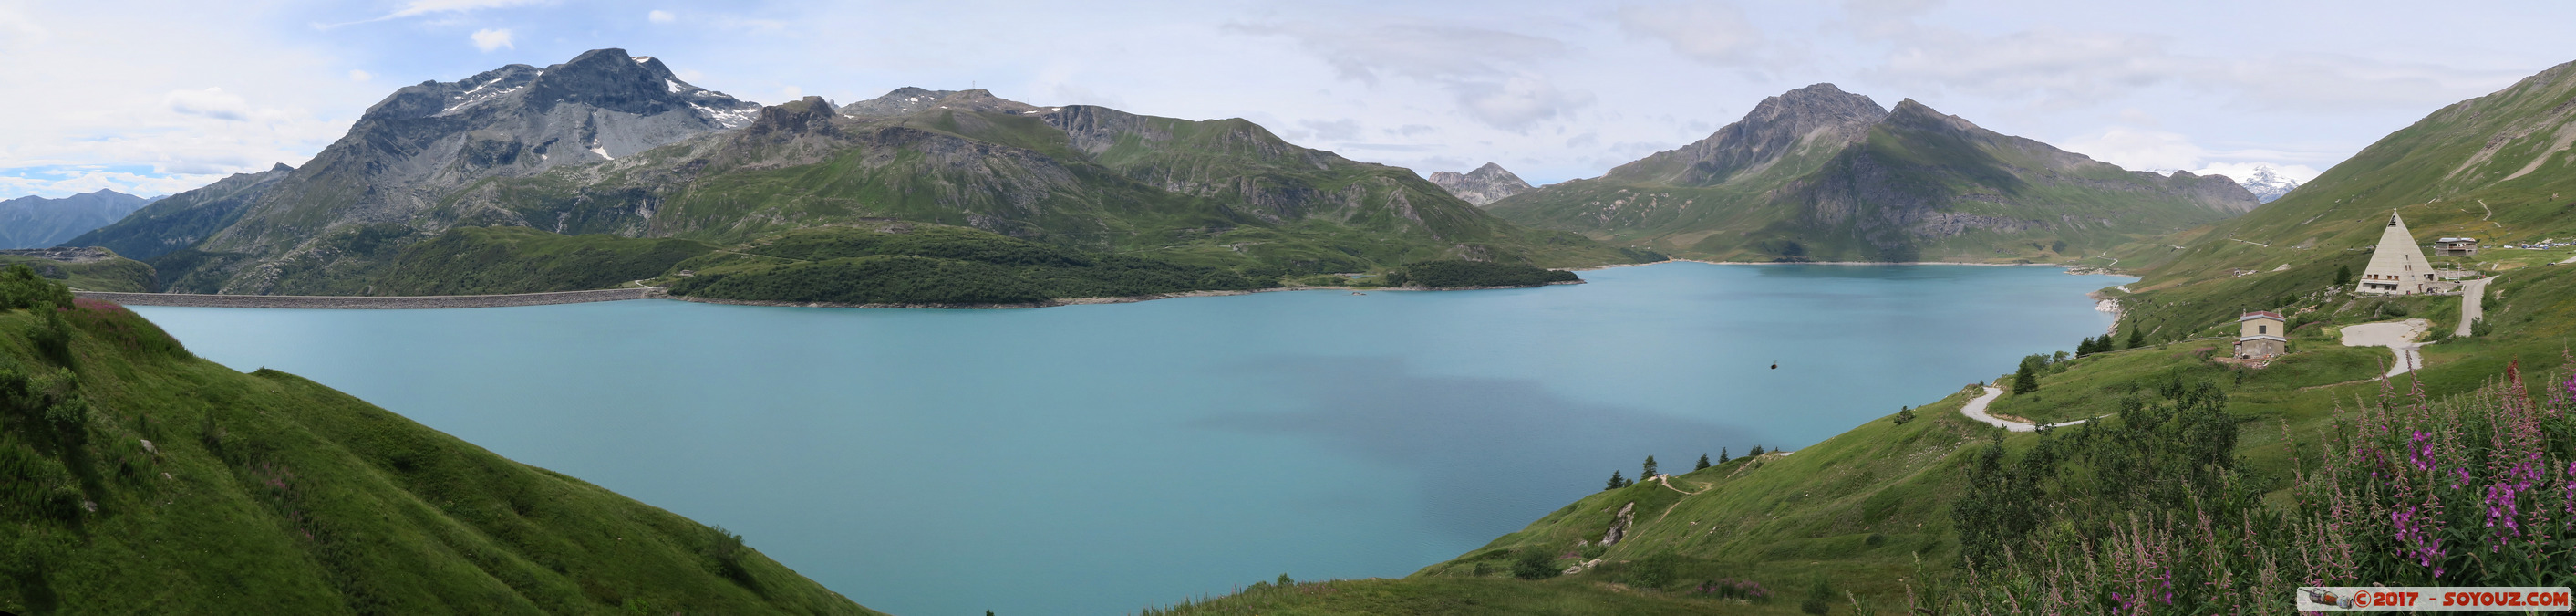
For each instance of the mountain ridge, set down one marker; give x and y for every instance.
(40, 222)
(1817, 173)
(609, 143)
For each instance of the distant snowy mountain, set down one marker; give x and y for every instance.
(2264, 180)
(2267, 184)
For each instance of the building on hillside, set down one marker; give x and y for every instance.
(2456, 247)
(2263, 335)
(2398, 266)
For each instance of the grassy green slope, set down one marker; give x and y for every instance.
(482, 260)
(114, 274)
(266, 493)
(1824, 202)
(921, 264)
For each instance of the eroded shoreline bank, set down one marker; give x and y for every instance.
(425, 302)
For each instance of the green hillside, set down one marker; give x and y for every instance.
(105, 271)
(1823, 175)
(141, 479)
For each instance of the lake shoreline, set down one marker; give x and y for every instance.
(433, 302)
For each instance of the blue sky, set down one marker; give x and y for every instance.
(157, 97)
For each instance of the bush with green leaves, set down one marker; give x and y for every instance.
(1534, 564)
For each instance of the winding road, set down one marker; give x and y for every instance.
(1976, 409)
(2473, 297)
(2398, 336)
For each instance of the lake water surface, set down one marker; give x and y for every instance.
(1100, 459)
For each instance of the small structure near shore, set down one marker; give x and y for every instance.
(2262, 335)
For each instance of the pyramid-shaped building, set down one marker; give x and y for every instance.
(2398, 266)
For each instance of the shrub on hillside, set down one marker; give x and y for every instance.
(22, 289)
(1534, 563)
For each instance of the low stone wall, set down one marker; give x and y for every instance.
(352, 302)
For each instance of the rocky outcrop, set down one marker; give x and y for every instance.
(1487, 184)
(1619, 526)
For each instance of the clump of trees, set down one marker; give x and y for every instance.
(1453, 274)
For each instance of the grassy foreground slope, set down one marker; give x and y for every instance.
(137, 478)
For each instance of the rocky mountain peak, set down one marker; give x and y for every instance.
(810, 116)
(1486, 184)
(902, 101)
(1778, 126)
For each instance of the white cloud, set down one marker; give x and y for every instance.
(659, 16)
(425, 7)
(1345, 129)
(1714, 33)
(1489, 73)
(209, 102)
(359, 75)
(489, 39)
(2139, 149)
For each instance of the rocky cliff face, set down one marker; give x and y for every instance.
(38, 222)
(1822, 174)
(1487, 184)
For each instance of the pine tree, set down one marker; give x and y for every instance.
(1721, 455)
(2084, 348)
(1703, 463)
(2137, 338)
(1616, 481)
(1904, 414)
(1757, 452)
(2343, 275)
(1650, 469)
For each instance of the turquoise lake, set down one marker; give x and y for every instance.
(1104, 458)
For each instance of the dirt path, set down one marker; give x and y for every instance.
(1976, 409)
(2473, 297)
(2398, 336)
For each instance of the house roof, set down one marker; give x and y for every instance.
(2471, 240)
(2261, 314)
